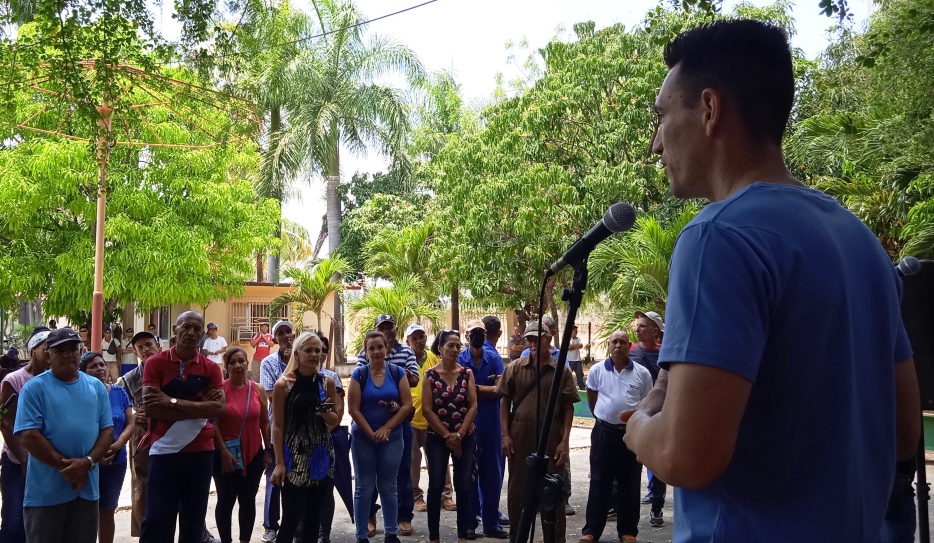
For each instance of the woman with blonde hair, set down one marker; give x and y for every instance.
(303, 417)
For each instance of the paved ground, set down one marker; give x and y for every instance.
(343, 530)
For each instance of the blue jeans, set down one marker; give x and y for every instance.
(271, 505)
(178, 489)
(376, 466)
(13, 488)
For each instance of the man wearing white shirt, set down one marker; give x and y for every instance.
(214, 346)
(614, 386)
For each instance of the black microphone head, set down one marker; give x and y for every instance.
(620, 217)
(909, 266)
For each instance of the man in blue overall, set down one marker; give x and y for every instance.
(487, 367)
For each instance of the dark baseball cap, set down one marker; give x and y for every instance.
(380, 319)
(142, 335)
(62, 336)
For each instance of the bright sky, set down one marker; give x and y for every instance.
(469, 37)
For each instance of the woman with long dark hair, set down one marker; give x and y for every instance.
(449, 403)
(113, 464)
(242, 447)
(303, 417)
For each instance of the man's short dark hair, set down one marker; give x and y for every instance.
(492, 325)
(747, 60)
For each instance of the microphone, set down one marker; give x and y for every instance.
(619, 218)
(908, 266)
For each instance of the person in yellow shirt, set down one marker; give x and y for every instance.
(417, 339)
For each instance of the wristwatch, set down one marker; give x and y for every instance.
(173, 401)
(93, 463)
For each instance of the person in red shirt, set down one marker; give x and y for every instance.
(181, 391)
(262, 342)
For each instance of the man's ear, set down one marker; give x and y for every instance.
(712, 108)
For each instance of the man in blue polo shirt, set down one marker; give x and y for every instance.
(63, 417)
(487, 367)
(271, 369)
(400, 355)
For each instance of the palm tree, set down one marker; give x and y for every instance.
(394, 253)
(338, 102)
(271, 38)
(633, 270)
(311, 287)
(401, 300)
(296, 244)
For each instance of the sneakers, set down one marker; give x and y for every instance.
(568, 510)
(405, 528)
(503, 520)
(269, 536)
(647, 498)
(449, 504)
(391, 538)
(656, 520)
(206, 536)
(498, 533)
(421, 506)
(611, 514)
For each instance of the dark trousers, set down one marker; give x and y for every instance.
(70, 522)
(611, 461)
(404, 479)
(657, 489)
(178, 488)
(900, 516)
(237, 487)
(485, 494)
(13, 489)
(438, 454)
(577, 366)
(303, 504)
(342, 480)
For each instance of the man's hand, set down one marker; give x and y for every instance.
(562, 453)
(75, 471)
(214, 395)
(508, 449)
(142, 421)
(157, 398)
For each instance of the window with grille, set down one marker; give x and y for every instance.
(246, 316)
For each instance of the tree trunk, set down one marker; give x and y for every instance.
(455, 307)
(275, 128)
(260, 276)
(552, 307)
(128, 318)
(332, 175)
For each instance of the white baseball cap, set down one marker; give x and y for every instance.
(413, 328)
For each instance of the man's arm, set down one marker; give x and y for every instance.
(592, 401)
(13, 441)
(41, 449)
(159, 405)
(563, 451)
(907, 408)
(504, 423)
(411, 368)
(689, 442)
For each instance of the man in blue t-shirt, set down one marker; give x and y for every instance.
(64, 418)
(744, 419)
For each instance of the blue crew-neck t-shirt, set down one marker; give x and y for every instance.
(752, 278)
(375, 414)
(71, 416)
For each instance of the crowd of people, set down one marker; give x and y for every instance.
(185, 424)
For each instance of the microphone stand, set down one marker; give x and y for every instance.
(542, 491)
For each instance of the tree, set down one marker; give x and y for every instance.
(341, 104)
(311, 287)
(393, 254)
(401, 300)
(633, 270)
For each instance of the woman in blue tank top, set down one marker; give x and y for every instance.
(378, 400)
